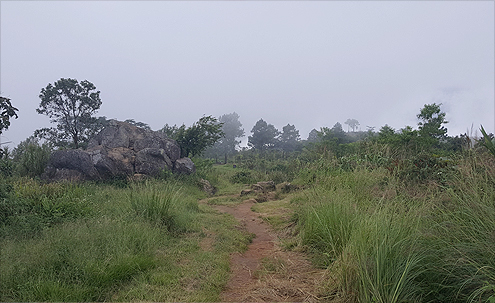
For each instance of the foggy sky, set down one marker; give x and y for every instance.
(310, 64)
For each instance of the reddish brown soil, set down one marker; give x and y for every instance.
(266, 273)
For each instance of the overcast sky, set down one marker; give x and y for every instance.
(310, 64)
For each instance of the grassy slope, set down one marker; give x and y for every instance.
(112, 251)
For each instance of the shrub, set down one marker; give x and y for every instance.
(243, 176)
(32, 159)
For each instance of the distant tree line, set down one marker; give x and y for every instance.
(72, 106)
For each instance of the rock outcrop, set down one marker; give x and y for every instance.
(119, 150)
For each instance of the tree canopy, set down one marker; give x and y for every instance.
(431, 122)
(7, 111)
(352, 123)
(289, 138)
(227, 145)
(264, 136)
(195, 139)
(71, 105)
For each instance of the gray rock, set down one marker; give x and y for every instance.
(184, 166)
(207, 187)
(63, 174)
(113, 162)
(73, 159)
(120, 150)
(152, 161)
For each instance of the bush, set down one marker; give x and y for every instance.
(32, 159)
(243, 177)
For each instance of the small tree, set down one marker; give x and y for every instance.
(352, 123)
(232, 129)
(289, 138)
(201, 135)
(431, 122)
(71, 105)
(7, 111)
(313, 136)
(170, 131)
(264, 136)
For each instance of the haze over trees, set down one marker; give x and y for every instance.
(227, 145)
(352, 123)
(289, 139)
(71, 105)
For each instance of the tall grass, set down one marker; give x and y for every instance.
(464, 233)
(162, 204)
(386, 238)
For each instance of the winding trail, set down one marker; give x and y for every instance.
(265, 272)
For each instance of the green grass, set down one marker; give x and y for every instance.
(384, 239)
(135, 243)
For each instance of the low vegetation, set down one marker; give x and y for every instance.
(393, 216)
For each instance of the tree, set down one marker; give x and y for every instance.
(431, 121)
(7, 111)
(201, 135)
(232, 129)
(264, 136)
(170, 131)
(71, 105)
(386, 132)
(352, 123)
(313, 136)
(338, 133)
(289, 138)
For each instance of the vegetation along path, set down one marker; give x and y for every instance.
(266, 272)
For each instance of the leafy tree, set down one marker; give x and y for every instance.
(71, 105)
(7, 111)
(232, 129)
(386, 133)
(352, 123)
(335, 133)
(264, 136)
(170, 131)
(289, 138)
(430, 125)
(313, 136)
(201, 135)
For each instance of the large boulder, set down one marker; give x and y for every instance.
(119, 150)
(73, 164)
(113, 162)
(184, 166)
(152, 161)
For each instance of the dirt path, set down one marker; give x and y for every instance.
(265, 272)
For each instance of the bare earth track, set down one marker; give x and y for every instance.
(265, 272)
